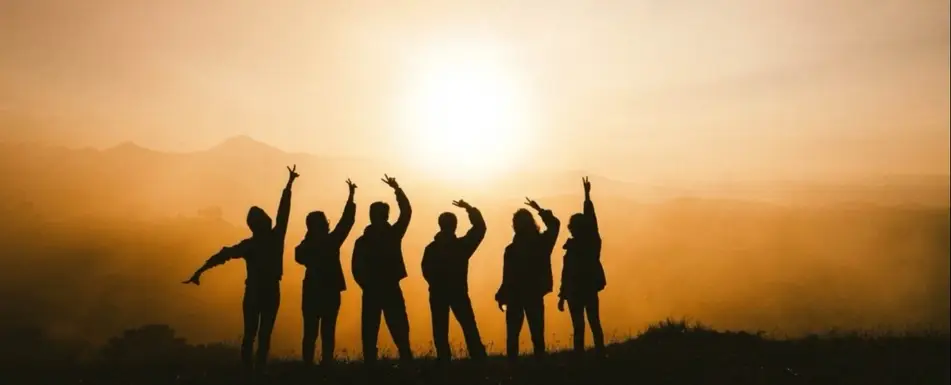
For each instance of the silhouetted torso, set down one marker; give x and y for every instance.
(263, 258)
(526, 270)
(378, 253)
(582, 272)
(446, 259)
(378, 257)
(320, 253)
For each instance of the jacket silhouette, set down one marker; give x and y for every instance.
(378, 268)
(582, 275)
(263, 254)
(319, 252)
(445, 267)
(527, 278)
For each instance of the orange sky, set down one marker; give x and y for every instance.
(698, 88)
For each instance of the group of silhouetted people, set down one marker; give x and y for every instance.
(378, 267)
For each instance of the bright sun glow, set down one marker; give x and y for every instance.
(465, 113)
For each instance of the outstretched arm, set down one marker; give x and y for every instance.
(226, 254)
(475, 235)
(284, 208)
(345, 224)
(406, 211)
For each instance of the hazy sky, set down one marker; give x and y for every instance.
(719, 88)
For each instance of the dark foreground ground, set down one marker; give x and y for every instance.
(668, 353)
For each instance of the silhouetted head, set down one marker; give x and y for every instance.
(379, 213)
(317, 223)
(578, 224)
(447, 223)
(258, 220)
(524, 223)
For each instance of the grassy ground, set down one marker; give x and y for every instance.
(667, 353)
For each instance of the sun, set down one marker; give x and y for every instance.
(464, 113)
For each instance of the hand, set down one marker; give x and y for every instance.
(292, 173)
(501, 307)
(561, 304)
(194, 280)
(390, 181)
(462, 204)
(587, 185)
(532, 204)
(352, 186)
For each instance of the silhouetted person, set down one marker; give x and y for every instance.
(527, 277)
(263, 255)
(378, 268)
(446, 270)
(582, 275)
(319, 252)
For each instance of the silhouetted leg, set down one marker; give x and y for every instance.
(311, 324)
(462, 308)
(535, 313)
(576, 307)
(398, 322)
(328, 326)
(249, 307)
(514, 317)
(439, 308)
(271, 301)
(593, 309)
(370, 326)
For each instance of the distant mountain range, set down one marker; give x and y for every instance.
(129, 178)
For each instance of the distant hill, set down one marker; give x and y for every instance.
(129, 178)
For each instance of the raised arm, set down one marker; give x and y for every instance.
(406, 211)
(345, 224)
(552, 224)
(589, 207)
(475, 235)
(284, 208)
(226, 254)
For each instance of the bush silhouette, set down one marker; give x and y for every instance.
(150, 344)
